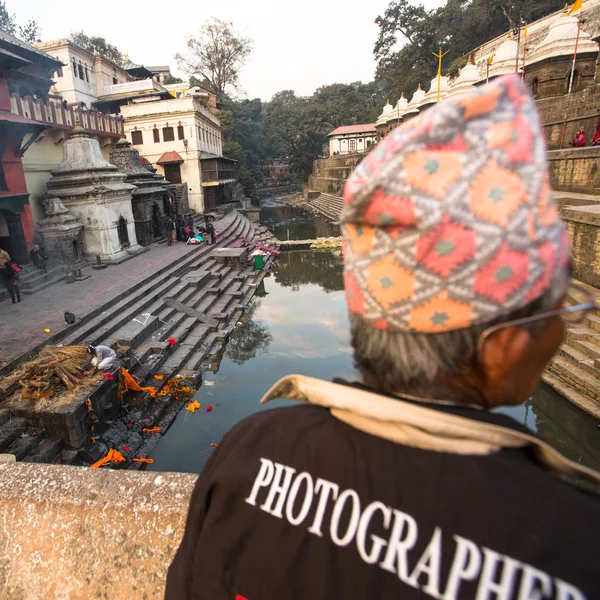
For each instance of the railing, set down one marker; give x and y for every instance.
(61, 117)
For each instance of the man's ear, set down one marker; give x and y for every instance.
(503, 350)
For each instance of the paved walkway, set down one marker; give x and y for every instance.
(23, 324)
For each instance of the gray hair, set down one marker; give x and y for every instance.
(413, 362)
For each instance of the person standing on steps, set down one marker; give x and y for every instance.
(170, 231)
(409, 484)
(210, 230)
(11, 281)
(4, 258)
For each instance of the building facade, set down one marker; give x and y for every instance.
(352, 138)
(23, 69)
(175, 136)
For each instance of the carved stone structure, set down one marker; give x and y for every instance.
(150, 201)
(61, 232)
(96, 193)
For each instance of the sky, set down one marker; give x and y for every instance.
(296, 45)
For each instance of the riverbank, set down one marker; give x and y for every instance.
(173, 325)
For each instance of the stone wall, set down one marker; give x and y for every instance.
(76, 533)
(583, 112)
(575, 170)
(583, 223)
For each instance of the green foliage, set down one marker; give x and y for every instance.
(409, 34)
(30, 32)
(97, 44)
(298, 127)
(8, 22)
(242, 127)
(169, 79)
(216, 54)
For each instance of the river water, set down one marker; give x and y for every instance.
(297, 323)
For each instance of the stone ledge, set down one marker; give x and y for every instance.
(78, 533)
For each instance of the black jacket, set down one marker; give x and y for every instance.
(170, 226)
(295, 503)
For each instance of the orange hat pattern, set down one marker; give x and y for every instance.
(449, 222)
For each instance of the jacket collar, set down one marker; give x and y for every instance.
(419, 426)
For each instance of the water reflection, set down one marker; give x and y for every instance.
(299, 324)
(294, 269)
(250, 339)
(290, 222)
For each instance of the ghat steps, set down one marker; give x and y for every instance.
(575, 369)
(198, 301)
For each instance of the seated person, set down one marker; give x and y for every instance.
(104, 358)
(38, 258)
(579, 139)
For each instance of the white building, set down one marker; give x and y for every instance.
(352, 138)
(175, 135)
(84, 75)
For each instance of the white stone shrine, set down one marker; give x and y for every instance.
(95, 192)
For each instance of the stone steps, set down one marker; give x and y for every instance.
(140, 323)
(328, 205)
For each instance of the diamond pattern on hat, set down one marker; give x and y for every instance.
(440, 314)
(388, 283)
(463, 226)
(495, 193)
(445, 247)
(433, 172)
(501, 276)
(387, 210)
(356, 299)
(360, 238)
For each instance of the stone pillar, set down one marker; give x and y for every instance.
(17, 237)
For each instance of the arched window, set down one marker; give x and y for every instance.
(122, 232)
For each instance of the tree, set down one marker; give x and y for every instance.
(458, 27)
(31, 32)
(97, 44)
(217, 54)
(169, 79)
(8, 22)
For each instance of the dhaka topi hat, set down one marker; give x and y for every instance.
(450, 222)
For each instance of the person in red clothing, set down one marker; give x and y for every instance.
(408, 484)
(596, 139)
(579, 140)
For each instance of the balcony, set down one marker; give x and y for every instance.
(55, 114)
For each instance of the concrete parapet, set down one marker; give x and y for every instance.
(77, 533)
(575, 170)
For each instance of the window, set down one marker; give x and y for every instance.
(352, 144)
(59, 72)
(369, 143)
(115, 81)
(156, 135)
(86, 75)
(80, 68)
(74, 68)
(137, 138)
(180, 135)
(168, 134)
